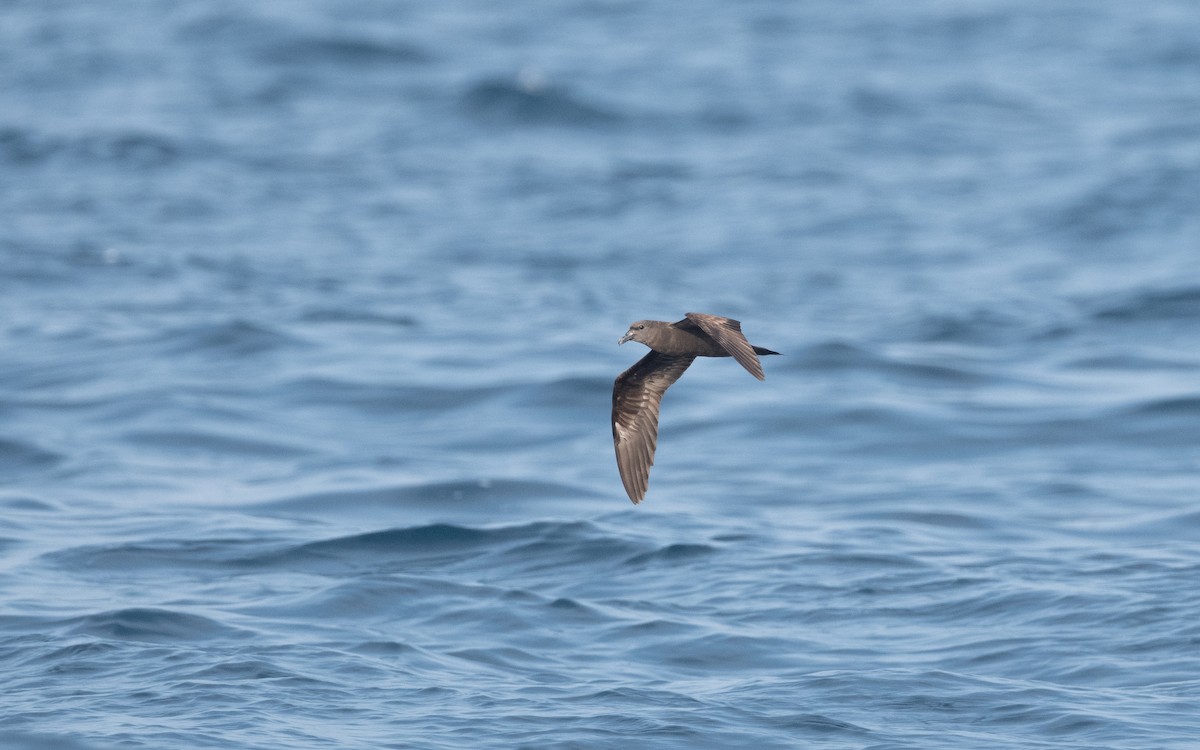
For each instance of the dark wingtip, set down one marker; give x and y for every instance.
(634, 497)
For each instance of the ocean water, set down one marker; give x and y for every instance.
(308, 322)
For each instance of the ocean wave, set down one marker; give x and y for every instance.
(357, 315)
(290, 42)
(386, 398)
(151, 624)
(39, 741)
(192, 441)
(1178, 303)
(29, 504)
(348, 51)
(1183, 407)
(538, 545)
(541, 545)
(128, 149)
(977, 326)
(534, 102)
(714, 653)
(572, 392)
(145, 556)
(1124, 204)
(1133, 362)
(672, 554)
(937, 519)
(21, 456)
(842, 355)
(21, 146)
(433, 538)
(1171, 420)
(458, 492)
(233, 338)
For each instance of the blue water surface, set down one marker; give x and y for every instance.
(308, 322)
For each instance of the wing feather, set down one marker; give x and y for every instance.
(637, 394)
(728, 333)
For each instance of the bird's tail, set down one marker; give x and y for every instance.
(762, 350)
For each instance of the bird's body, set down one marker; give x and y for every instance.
(638, 391)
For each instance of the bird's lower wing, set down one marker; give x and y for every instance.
(728, 333)
(637, 394)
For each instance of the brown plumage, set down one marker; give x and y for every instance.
(638, 391)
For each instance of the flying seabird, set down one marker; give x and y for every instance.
(638, 391)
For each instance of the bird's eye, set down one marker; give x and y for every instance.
(640, 327)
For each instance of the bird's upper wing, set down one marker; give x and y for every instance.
(637, 393)
(728, 333)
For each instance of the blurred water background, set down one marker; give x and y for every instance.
(308, 321)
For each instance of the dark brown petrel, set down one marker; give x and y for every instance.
(639, 390)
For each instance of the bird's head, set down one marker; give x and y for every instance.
(637, 332)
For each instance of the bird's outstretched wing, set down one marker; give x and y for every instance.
(728, 333)
(637, 393)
